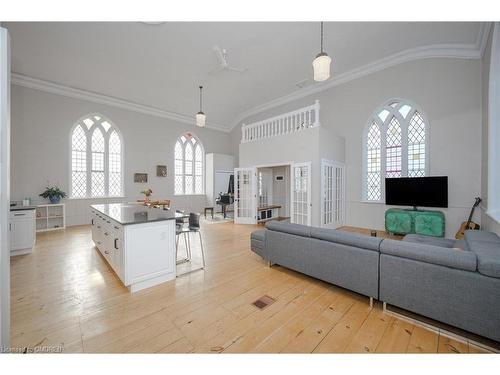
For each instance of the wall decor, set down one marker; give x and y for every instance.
(161, 171)
(141, 177)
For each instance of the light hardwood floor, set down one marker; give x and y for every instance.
(64, 294)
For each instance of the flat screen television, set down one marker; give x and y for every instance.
(417, 191)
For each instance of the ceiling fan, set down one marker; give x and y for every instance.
(221, 54)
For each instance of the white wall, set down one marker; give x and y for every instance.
(281, 189)
(487, 222)
(308, 145)
(449, 92)
(41, 123)
(4, 188)
(216, 163)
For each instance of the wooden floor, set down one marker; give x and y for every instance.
(64, 294)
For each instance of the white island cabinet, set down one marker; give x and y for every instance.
(138, 242)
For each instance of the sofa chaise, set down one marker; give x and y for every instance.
(456, 282)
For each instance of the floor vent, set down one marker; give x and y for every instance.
(263, 302)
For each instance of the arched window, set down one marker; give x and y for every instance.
(189, 165)
(396, 144)
(96, 159)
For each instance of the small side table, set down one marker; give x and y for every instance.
(211, 209)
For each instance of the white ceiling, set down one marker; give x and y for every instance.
(162, 65)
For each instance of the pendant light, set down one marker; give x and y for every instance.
(200, 116)
(321, 64)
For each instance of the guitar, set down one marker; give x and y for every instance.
(469, 224)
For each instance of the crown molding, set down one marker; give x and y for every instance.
(457, 51)
(482, 36)
(71, 92)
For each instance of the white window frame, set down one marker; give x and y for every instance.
(493, 196)
(88, 133)
(383, 125)
(183, 145)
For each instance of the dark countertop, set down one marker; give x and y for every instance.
(128, 214)
(22, 208)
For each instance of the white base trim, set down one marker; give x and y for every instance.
(14, 253)
(151, 282)
(494, 215)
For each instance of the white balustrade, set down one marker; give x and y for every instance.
(287, 123)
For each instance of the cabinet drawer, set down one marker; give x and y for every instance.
(22, 214)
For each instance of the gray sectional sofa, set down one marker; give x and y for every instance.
(455, 282)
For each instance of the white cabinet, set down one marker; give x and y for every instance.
(22, 231)
(142, 255)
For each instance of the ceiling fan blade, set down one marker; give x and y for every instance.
(216, 70)
(239, 70)
(220, 55)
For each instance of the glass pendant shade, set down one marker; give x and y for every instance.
(200, 119)
(321, 67)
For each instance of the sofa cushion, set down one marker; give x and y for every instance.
(486, 246)
(286, 227)
(464, 260)
(257, 241)
(346, 238)
(481, 235)
(434, 241)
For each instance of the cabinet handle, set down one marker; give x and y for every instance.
(117, 227)
(19, 214)
(107, 221)
(99, 242)
(92, 221)
(10, 226)
(116, 243)
(106, 233)
(99, 226)
(106, 252)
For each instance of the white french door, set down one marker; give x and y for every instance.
(301, 193)
(332, 194)
(245, 192)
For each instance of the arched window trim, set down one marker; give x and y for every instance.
(404, 122)
(88, 134)
(193, 168)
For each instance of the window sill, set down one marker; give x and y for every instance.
(190, 195)
(87, 198)
(372, 202)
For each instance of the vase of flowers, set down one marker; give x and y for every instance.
(53, 193)
(147, 193)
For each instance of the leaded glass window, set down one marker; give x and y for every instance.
(189, 165)
(396, 145)
(96, 159)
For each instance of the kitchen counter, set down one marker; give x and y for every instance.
(127, 214)
(137, 241)
(22, 208)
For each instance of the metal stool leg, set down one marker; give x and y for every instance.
(188, 250)
(202, 251)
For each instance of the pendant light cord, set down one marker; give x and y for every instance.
(321, 37)
(201, 88)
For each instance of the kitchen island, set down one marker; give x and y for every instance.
(138, 242)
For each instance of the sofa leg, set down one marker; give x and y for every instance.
(371, 302)
(384, 306)
(270, 264)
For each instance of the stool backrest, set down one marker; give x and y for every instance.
(194, 220)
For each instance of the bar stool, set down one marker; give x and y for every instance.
(179, 226)
(193, 227)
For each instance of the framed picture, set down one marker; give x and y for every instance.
(161, 170)
(141, 177)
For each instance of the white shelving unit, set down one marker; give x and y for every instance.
(50, 217)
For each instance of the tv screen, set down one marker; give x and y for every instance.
(417, 191)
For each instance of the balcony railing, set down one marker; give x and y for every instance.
(287, 123)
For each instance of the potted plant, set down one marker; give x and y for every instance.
(147, 193)
(54, 194)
